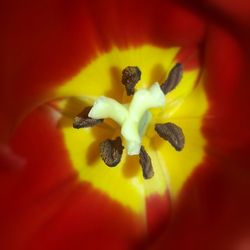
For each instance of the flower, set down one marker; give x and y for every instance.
(44, 203)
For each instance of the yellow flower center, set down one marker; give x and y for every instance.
(185, 106)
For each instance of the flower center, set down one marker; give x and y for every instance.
(133, 118)
(186, 106)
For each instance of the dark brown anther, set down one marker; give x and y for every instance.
(83, 121)
(172, 133)
(146, 164)
(130, 76)
(174, 77)
(111, 151)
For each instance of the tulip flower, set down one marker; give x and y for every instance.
(57, 191)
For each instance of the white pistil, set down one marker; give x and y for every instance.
(134, 117)
(106, 107)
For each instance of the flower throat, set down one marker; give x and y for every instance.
(133, 118)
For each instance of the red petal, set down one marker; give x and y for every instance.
(44, 205)
(212, 211)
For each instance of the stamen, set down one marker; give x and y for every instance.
(146, 164)
(172, 133)
(130, 76)
(174, 77)
(111, 151)
(83, 121)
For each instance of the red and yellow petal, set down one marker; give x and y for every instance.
(212, 210)
(46, 202)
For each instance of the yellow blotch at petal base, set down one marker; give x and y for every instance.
(124, 183)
